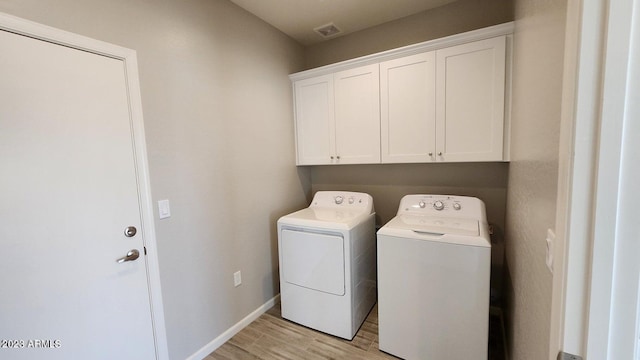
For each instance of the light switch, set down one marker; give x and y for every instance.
(164, 211)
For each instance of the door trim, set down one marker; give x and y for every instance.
(128, 57)
(591, 257)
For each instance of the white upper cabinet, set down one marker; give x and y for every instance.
(408, 108)
(357, 115)
(315, 122)
(444, 100)
(470, 96)
(338, 118)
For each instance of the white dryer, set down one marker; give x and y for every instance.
(434, 261)
(327, 262)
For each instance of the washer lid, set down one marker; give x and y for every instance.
(436, 225)
(437, 229)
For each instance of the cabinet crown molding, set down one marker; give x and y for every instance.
(430, 45)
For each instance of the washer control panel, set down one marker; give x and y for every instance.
(342, 199)
(441, 205)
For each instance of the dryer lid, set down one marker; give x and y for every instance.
(338, 219)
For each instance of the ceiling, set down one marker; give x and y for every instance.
(298, 18)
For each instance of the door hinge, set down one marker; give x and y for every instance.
(145, 250)
(566, 356)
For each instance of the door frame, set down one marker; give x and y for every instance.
(128, 57)
(592, 270)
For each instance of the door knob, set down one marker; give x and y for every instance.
(130, 231)
(131, 255)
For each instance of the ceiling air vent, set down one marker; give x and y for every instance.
(328, 30)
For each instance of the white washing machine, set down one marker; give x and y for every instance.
(434, 261)
(327, 262)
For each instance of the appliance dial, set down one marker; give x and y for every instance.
(438, 205)
(339, 199)
(457, 206)
(422, 204)
(351, 200)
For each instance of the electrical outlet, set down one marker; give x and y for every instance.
(551, 239)
(237, 278)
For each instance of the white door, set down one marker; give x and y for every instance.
(357, 115)
(408, 108)
(470, 101)
(68, 190)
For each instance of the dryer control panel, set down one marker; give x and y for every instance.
(442, 205)
(343, 200)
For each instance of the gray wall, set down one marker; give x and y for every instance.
(217, 108)
(389, 183)
(533, 172)
(453, 18)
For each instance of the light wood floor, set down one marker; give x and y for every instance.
(272, 337)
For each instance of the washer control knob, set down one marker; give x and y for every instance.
(438, 205)
(351, 200)
(457, 206)
(422, 204)
(339, 199)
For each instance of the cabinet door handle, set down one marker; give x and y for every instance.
(440, 153)
(430, 154)
(338, 157)
(332, 158)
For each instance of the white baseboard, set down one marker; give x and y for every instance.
(225, 336)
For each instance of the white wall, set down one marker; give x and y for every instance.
(217, 110)
(533, 172)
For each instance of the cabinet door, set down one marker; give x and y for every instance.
(357, 115)
(408, 111)
(470, 101)
(314, 120)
